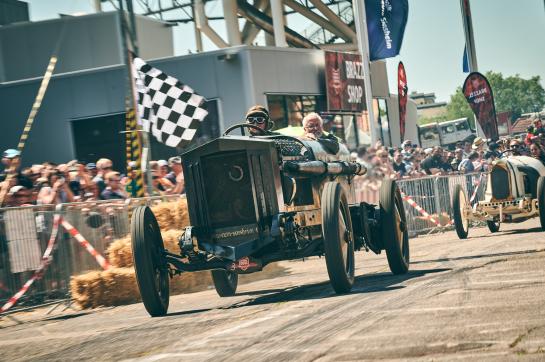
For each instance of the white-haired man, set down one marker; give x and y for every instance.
(313, 125)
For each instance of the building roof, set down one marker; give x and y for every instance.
(522, 124)
(421, 95)
(431, 105)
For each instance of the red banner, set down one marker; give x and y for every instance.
(402, 93)
(344, 82)
(479, 95)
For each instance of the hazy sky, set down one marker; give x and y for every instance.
(509, 37)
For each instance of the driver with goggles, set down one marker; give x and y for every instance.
(259, 116)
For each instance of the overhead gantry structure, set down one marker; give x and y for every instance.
(330, 22)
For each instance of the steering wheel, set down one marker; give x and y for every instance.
(245, 125)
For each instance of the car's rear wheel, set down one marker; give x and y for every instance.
(541, 200)
(493, 226)
(338, 237)
(393, 225)
(149, 262)
(225, 282)
(459, 202)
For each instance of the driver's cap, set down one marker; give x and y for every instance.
(257, 110)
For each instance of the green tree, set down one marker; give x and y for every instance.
(515, 94)
(459, 108)
(512, 94)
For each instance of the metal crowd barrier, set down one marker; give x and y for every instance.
(431, 193)
(25, 232)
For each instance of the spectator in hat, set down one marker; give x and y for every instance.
(478, 144)
(176, 176)
(10, 158)
(91, 169)
(407, 147)
(20, 196)
(113, 189)
(259, 116)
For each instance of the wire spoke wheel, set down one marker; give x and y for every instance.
(149, 262)
(338, 237)
(459, 204)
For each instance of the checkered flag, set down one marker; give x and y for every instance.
(171, 109)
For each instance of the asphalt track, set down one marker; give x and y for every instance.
(480, 299)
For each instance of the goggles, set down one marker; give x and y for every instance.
(256, 119)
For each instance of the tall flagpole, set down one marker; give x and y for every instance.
(470, 48)
(363, 44)
(130, 101)
(468, 32)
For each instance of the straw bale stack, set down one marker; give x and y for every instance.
(115, 286)
(118, 286)
(120, 252)
(172, 215)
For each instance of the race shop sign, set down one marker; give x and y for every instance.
(344, 82)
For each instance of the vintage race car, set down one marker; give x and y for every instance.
(254, 200)
(515, 192)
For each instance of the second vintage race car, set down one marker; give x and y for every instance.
(515, 192)
(254, 200)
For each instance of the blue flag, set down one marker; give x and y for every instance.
(465, 61)
(386, 20)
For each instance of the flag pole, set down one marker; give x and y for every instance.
(130, 101)
(363, 45)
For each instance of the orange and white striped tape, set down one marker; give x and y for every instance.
(83, 242)
(421, 211)
(46, 260)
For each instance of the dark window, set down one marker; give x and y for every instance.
(289, 110)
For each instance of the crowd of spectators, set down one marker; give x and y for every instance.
(410, 161)
(50, 183)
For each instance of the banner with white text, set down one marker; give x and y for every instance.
(344, 82)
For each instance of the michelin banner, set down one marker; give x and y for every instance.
(386, 21)
(479, 95)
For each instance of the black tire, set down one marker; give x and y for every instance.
(493, 226)
(541, 200)
(338, 238)
(393, 226)
(225, 282)
(459, 200)
(151, 268)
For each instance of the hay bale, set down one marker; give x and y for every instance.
(115, 286)
(165, 214)
(120, 253)
(120, 287)
(87, 289)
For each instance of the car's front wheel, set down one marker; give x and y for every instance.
(149, 262)
(459, 202)
(338, 237)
